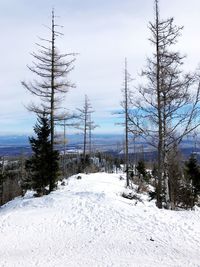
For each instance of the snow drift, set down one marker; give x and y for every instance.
(88, 223)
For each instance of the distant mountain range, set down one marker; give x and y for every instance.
(13, 145)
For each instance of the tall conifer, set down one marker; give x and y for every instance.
(40, 165)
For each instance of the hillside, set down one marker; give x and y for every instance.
(88, 223)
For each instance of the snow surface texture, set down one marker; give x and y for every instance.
(88, 223)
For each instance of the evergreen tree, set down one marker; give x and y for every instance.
(51, 68)
(193, 173)
(44, 161)
(141, 169)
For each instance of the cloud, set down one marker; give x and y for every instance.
(102, 32)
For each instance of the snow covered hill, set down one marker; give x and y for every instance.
(88, 223)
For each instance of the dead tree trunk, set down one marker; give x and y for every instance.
(86, 125)
(167, 110)
(126, 124)
(52, 69)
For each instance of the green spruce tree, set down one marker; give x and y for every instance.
(44, 162)
(141, 169)
(193, 173)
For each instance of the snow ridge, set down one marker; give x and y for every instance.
(88, 223)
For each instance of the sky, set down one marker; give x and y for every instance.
(103, 33)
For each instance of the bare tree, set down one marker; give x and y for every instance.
(126, 105)
(67, 120)
(2, 165)
(167, 109)
(125, 112)
(52, 69)
(86, 125)
(126, 121)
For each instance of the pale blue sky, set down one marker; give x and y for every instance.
(102, 32)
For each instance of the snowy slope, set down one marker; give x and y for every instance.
(88, 223)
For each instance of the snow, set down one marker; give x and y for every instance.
(88, 223)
